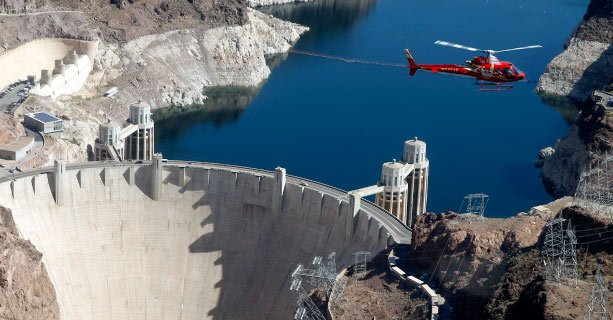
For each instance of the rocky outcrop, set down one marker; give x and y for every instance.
(583, 67)
(466, 258)
(590, 138)
(25, 289)
(173, 68)
(17, 6)
(492, 269)
(587, 63)
(258, 3)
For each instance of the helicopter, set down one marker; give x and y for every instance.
(491, 74)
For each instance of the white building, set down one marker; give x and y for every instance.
(43, 122)
(18, 149)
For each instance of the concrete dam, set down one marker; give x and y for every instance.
(185, 240)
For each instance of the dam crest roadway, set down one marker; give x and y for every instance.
(176, 239)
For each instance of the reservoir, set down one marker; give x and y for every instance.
(337, 122)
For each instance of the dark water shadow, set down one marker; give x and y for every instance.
(323, 15)
(223, 106)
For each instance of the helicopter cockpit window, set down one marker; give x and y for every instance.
(517, 71)
(508, 71)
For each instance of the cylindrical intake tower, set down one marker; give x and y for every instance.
(415, 153)
(139, 146)
(394, 196)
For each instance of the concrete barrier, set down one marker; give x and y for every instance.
(40, 54)
(436, 300)
(209, 247)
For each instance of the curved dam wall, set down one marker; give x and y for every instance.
(215, 244)
(34, 56)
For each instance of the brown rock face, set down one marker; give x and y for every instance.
(25, 289)
(467, 259)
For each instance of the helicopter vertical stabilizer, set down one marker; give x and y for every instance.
(412, 65)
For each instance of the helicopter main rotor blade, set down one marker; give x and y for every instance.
(455, 45)
(520, 48)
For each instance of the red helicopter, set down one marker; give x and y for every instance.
(491, 73)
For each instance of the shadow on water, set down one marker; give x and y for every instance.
(323, 15)
(223, 106)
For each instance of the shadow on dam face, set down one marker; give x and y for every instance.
(210, 247)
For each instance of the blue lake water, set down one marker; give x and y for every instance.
(338, 122)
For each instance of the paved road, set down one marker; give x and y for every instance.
(37, 13)
(399, 231)
(10, 97)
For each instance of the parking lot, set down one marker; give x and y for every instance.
(13, 96)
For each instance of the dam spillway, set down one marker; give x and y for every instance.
(215, 244)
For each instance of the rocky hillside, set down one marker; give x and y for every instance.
(491, 269)
(25, 289)
(587, 62)
(165, 52)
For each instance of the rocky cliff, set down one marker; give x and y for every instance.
(587, 62)
(586, 65)
(25, 289)
(491, 269)
(172, 68)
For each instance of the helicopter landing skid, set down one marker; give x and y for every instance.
(493, 86)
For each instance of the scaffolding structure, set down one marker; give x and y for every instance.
(597, 308)
(322, 276)
(559, 252)
(360, 261)
(475, 204)
(595, 189)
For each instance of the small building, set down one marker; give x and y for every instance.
(43, 122)
(17, 150)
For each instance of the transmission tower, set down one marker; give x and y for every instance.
(360, 261)
(597, 308)
(307, 309)
(321, 276)
(570, 253)
(475, 204)
(553, 250)
(595, 189)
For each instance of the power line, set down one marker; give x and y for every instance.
(347, 60)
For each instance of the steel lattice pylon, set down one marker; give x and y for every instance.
(322, 277)
(597, 308)
(553, 249)
(570, 253)
(360, 261)
(475, 204)
(595, 189)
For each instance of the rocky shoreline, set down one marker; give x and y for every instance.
(587, 62)
(261, 3)
(170, 54)
(586, 65)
